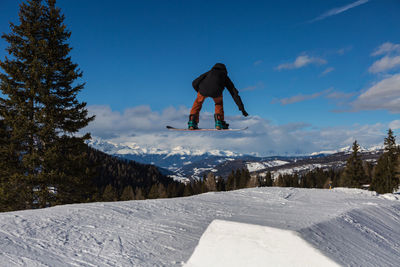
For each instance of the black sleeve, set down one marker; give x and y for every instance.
(198, 80)
(234, 93)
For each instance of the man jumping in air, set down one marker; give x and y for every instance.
(212, 84)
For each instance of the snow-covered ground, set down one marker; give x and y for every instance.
(349, 226)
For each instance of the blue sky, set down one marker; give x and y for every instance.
(311, 68)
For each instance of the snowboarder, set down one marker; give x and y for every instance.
(212, 84)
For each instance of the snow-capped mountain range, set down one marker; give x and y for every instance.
(178, 162)
(182, 163)
(134, 149)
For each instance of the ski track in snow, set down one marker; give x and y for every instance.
(352, 227)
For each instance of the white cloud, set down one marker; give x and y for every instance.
(302, 61)
(339, 95)
(338, 10)
(383, 95)
(384, 64)
(133, 120)
(391, 59)
(328, 70)
(301, 97)
(259, 85)
(394, 125)
(146, 127)
(386, 48)
(258, 62)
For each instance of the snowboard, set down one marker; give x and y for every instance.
(205, 130)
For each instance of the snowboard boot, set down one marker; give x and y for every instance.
(192, 124)
(219, 123)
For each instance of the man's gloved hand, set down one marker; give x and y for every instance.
(245, 113)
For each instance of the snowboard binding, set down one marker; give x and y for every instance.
(220, 124)
(192, 124)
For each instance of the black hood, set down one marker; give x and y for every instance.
(219, 66)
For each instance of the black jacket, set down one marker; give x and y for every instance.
(213, 82)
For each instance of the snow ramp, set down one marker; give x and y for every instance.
(227, 243)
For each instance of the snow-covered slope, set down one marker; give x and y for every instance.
(351, 227)
(257, 166)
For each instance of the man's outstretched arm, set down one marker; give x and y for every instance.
(235, 95)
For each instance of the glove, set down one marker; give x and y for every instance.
(245, 113)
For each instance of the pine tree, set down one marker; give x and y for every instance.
(244, 178)
(268, 179)
(110, 194)
(390, 142)
(221, 186)
(230, 183)
(128, 194)
(353, 173)
(188, 191)
(253, 182)
(139, 194)
(162, 191)
(41, 112)
(210, 182)
(386, 179)
(171, 190)
(153, 193)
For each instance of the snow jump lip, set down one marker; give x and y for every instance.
(227, 243)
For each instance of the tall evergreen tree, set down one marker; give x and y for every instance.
(127, 194)
(110, 194)
(386, 179)
(153, 193)
(353, 173)
(221, 184)
(268, 179)
(139, 194)
(390, 142)
(231, 183)
(162, 191)
(210, 182)
(41, 112)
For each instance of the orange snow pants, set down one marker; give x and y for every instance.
(198, 103)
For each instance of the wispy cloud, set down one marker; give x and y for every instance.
(301, 61)
(338, 10)
(258, 63)
(327, 70)
(340, 98)
(146, 128)
(386, 48)
(344, 50)
(301, 97)
(383, 95)
(394, 125)
(391, 59)
(339, 95)
(384, 64)
(259, 85)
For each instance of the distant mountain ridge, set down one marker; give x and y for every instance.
(182, 163)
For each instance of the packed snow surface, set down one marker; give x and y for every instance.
(235, 244)
(349, 226)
